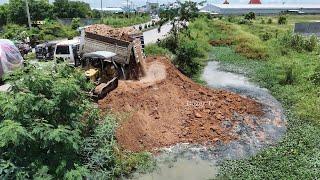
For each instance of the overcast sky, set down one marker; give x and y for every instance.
(119, 3)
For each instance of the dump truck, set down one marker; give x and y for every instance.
(127, 43)
(94, 43)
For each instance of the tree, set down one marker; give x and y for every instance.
(3, 14)
(39, 10)
(71, 9)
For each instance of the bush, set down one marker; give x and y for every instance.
(49, 129)
(244, 21)
(315, 78)
(187, 54)
(282, 20)
(311, 43)
(263, 21)
(75, 23)
(41, 121)
(269, 21)
(266, 36)
(299, 43)
(154, 49)
(250, 16)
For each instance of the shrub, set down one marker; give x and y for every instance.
(269, 21)
(311, 43)
(75, 23)
(244, 21)
(299, 43)
(145, 26)
(154, 49)
(315, 78)
(250, 16)
(263, 21)
(282, 20)
(266, 36)
(187, 53)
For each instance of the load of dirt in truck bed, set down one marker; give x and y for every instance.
(108, 31)
(165, 108)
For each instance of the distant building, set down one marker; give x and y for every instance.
(254, 2)
(239, 9)
(226, 2)
(111, 9)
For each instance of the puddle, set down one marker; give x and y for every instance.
(182, 168)
(200, 162)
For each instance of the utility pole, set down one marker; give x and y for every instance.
(28, 14)
(101, 11)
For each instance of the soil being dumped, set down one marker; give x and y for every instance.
(165, 108)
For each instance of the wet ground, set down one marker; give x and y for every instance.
(202, 162)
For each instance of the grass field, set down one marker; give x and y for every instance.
(289, 75)
(272, 57)
(122, 21)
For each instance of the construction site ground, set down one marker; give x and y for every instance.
(165, 108)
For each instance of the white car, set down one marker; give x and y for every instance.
(67, 51)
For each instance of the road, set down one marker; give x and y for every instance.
(151, 36)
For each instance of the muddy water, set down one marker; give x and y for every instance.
(186, 161)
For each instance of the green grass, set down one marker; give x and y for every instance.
(155, 50)
(297, 156)
(122, 21)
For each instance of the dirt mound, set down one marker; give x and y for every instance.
(166, 107)
(124, 33)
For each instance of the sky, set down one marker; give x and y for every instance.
(120, 3)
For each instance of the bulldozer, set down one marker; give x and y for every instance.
(103, 71)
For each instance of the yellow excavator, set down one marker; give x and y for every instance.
(102, 70)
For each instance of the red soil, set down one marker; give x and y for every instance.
(165, 108)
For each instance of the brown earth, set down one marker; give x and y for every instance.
(165, 108)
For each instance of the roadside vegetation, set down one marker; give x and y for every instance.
(50, 129)
(122, 20)
(265, 49)
(13, 21)
(287, 65)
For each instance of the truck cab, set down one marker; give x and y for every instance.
(68, 51)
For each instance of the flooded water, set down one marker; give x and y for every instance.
(182, 168)
(187, 161)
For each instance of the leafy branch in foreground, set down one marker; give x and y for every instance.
(49, 129)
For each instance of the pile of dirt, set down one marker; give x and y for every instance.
(166, 107)
(124, 33)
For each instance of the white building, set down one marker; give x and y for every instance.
(239, 9)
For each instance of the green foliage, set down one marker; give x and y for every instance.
(123, 21)
(299, 43)
(266, 36)
(71, 9)
(39, 10)
(14, 32)
(188, 11)
(13, 134)
(282, 20)
(291, 77)
(250, 16)
(49, 129)
(187, 55)
(47, 106)
(269, 21)
(3, 14)
(154, 49)
(315, 77)
(75, 23)
(105, 159)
